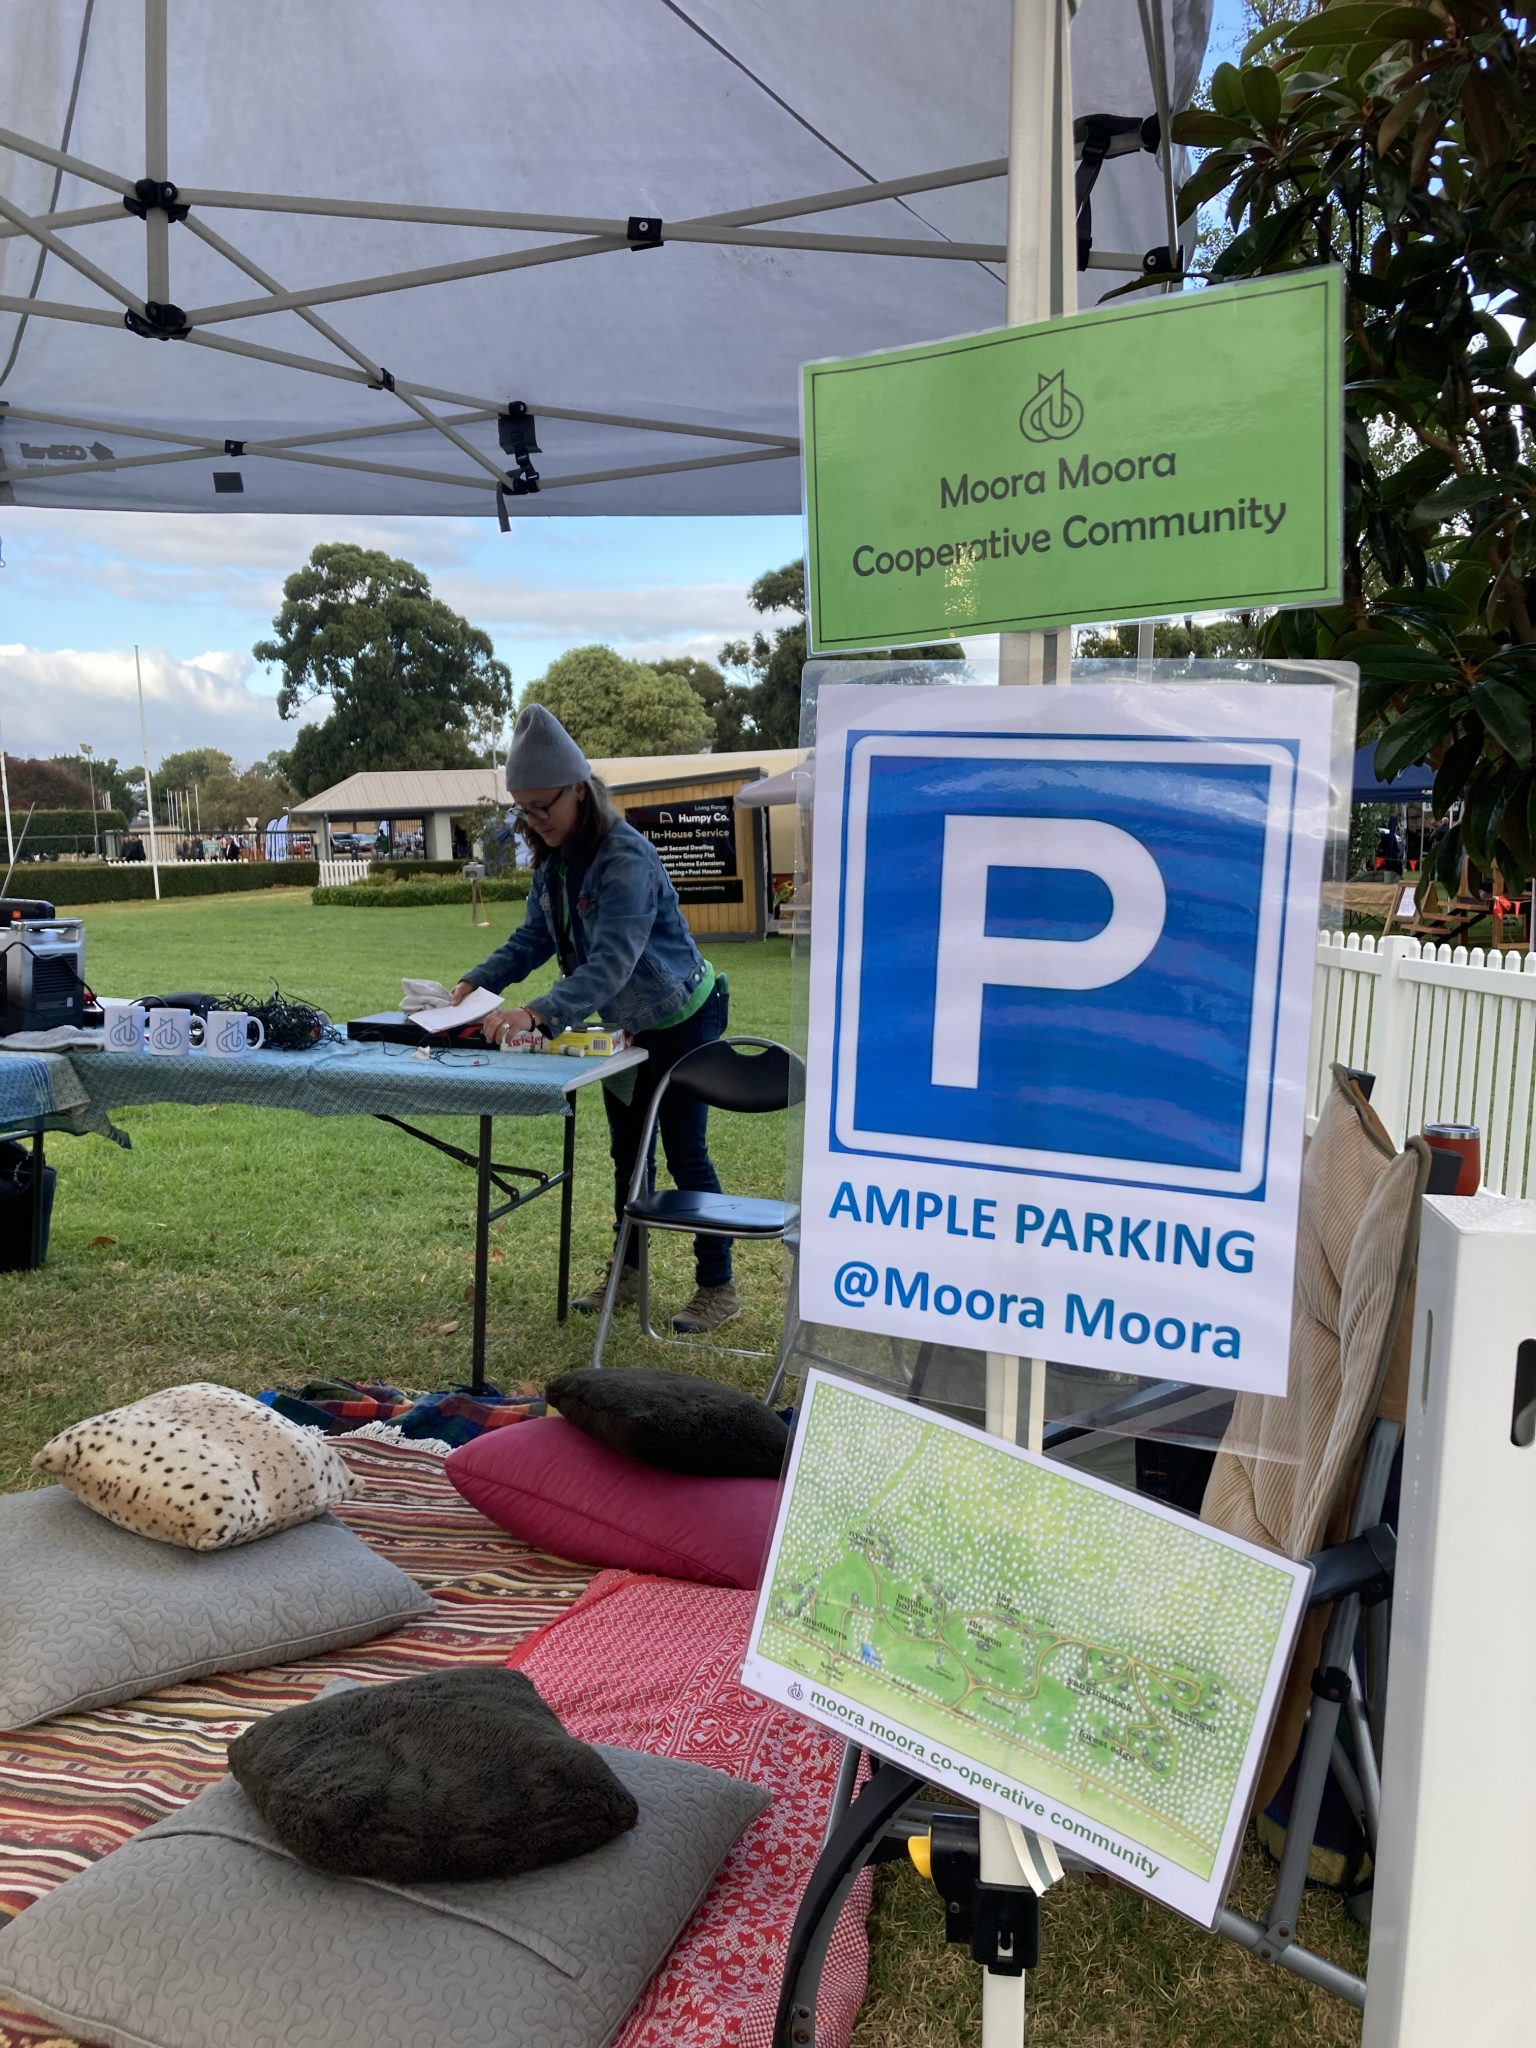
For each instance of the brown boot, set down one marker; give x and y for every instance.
(709, 1308)
(590, 1303)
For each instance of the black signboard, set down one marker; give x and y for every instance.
(696, 839)
(727, 890)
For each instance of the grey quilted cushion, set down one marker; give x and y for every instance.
(205, 1929)
(91, 1613)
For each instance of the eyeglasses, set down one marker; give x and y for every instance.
(540, 814)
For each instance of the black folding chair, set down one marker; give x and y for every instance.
(724, 1077)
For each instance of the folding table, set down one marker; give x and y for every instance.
(75, 1089)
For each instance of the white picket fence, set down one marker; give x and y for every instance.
(1449, 1033)
(340, 874)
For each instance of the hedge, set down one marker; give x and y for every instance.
(414, 895)
(63, 824)
(56, 882)
(407, 870)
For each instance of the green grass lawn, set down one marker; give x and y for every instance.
(257, 1247)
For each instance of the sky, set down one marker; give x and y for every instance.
(78, 591)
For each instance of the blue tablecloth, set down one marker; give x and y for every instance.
(75, 1090)
(39, 1091)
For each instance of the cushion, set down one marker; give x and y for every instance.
(205, 1928)
(560, 1491)
(90, 1613)
(674, 1420)
(453, 1775)
(656, 1665)
(200, 1466)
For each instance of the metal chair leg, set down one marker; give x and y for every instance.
(656, 1336)
(611, 1291)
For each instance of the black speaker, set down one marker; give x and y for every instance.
(16, 1199)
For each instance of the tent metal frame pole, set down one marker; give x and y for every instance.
(103, 282)
(67, 217)
(559, 252)
(93, 174)
(424, 413)
(157, 222)
(557, 223)
(57, 309)
(641, 425)
(59, 469)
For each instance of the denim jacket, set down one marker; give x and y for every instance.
(628, 954)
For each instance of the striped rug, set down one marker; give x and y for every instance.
(75, 1788)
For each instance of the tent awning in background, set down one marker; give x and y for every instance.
(1413, 786)
(292, 258)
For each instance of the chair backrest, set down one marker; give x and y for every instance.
(1285, 1463)
(752, 1083)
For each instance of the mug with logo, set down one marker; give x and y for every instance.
(170, 1030)
(227, 1033)
(122, 1026)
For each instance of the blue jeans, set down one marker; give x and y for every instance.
(683, 1124)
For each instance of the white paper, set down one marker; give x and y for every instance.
(453, 1016)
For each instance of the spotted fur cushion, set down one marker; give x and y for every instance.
(200, 1466)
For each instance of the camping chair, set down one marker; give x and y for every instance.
(1308, 1476)
(723, 1077)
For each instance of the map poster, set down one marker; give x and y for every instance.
(1095, 1666)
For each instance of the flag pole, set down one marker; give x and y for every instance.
(5, 793)
(149, 787)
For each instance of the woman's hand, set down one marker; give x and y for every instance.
(500, 1025)
(463, 989)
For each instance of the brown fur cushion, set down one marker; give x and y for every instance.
(200, 1466)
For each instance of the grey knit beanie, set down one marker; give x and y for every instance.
(542, 754)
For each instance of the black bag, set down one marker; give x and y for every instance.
(16, 1208)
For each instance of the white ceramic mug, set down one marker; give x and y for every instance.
(122, 1026)
(170, 1031)
(227, 1033)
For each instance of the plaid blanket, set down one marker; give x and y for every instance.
(337, 1406)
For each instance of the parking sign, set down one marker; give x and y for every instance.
(1062, 962)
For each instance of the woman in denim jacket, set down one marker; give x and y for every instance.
(602, 904)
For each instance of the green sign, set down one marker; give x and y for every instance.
(1133, 462)
(1094, 1665)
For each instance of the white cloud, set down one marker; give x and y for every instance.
(644, 622)
(237, 560)
(52, 700)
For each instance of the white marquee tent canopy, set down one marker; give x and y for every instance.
(382, 224)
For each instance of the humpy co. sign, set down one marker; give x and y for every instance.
(1061, 982)
(1131, 462)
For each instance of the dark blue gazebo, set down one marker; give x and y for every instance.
(1412, 786)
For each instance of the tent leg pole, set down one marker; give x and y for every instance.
(1041, 285)
(157, 222)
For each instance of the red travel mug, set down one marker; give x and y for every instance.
(1465, 1142)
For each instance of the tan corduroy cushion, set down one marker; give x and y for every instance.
(201, 1466)
(1286, 1475)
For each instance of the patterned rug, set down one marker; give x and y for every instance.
(78, 1787)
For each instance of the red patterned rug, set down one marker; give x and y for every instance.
(75, 1788)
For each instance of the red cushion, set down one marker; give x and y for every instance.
(558, 1490)
(651, 1665)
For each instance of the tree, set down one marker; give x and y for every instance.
(1194, 640)
(411, 683)
(117, 788)
(45, 784)
(1400, 142)
(193, 769)
(725, 702)
(772, 711)
(227, 800)
(611, 706)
